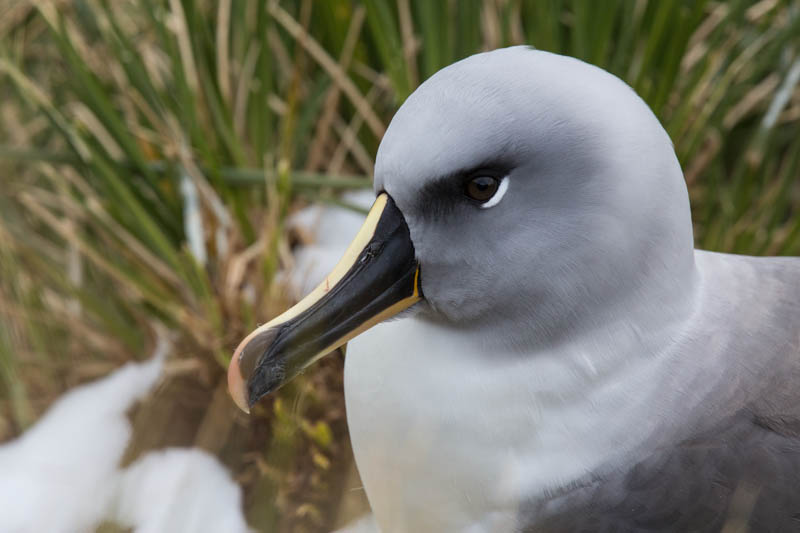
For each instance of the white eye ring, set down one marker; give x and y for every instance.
(501, 191)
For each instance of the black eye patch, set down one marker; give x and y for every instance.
(442, 195)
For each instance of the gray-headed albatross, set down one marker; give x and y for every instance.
(565, 360)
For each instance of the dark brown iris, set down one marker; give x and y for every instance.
(482, 188)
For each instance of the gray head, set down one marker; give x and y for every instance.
(589, 222)
(594, 213)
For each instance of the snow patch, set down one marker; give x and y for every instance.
(179, 491)
(56, 476)
(63, 475)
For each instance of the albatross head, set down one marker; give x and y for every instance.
(520, 192)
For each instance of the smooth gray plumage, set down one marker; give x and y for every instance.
(576, 365)
(734, 458)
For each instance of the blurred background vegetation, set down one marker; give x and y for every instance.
(151, 150)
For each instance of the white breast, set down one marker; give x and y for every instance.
(450, 439)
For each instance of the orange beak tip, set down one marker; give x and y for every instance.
(237, 387)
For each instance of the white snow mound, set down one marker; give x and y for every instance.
(179, 491)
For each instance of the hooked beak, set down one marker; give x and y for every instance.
(377, 278)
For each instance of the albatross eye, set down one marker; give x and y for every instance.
(482, 188)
